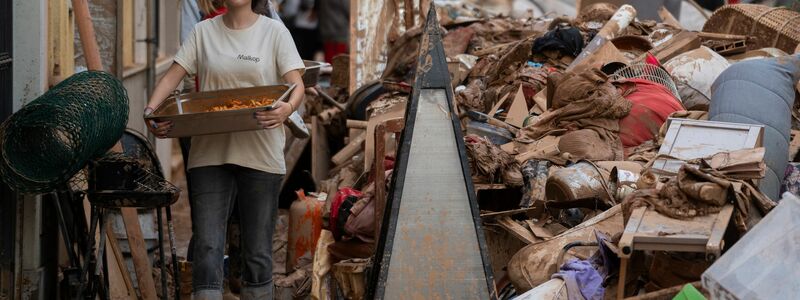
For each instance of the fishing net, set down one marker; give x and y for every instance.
(49, 140)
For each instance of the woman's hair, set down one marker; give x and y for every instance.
(209, 6)
(259, 6)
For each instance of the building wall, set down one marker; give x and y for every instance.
(29, 80)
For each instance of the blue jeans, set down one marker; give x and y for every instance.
(214, 190)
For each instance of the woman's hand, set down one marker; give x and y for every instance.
(273, 118)
(165, 86)
(159, 129)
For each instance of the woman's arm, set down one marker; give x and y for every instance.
(168, 83)
(163, 89)
(281, 110)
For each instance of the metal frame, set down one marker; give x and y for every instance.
(8, 200)
(431, 73)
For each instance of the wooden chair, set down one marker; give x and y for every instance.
(389, 126)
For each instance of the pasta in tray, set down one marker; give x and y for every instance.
(241, 104)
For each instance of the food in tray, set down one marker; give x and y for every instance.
(241, 104)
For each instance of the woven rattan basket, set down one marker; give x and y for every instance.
(766, 26)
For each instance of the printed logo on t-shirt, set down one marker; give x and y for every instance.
(248, 57)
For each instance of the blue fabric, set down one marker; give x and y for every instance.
(582, 280)
(190, 15)
(214, 190)
(760, 92)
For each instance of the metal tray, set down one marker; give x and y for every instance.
(192, 118)
(311, 75)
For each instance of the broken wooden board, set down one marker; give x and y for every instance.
(432, 244)
(349, 150)
(689, 139)
(517, 230)
(396, 111)
(668, 18)
(141, 262)
(682, 42)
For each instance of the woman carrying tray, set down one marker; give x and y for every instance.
(236, 50)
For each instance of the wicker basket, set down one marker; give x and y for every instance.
(776, 27)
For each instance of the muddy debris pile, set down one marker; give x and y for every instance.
(611, 156)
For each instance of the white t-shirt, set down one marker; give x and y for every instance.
(225, 58)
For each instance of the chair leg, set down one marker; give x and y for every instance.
(102, 260)
(623, 270)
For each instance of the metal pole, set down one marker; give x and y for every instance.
(162, 256)
(176, 273)
(152, 50)
(62, 224)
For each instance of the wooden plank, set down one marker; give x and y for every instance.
(721, 36)
(626, 241)
(517, 230)
(127, 33)
(683, 42)
(714, 244)
(141, 263)
(117, 268)
(320, 153)
(508, 212)
(356, 124)
(351, 149)
(668, 18)
(538, 231)
(61, 53)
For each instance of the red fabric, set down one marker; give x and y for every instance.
(336, 203)
(333, 49)
(651, 59)
(652, 104)
(220, 11)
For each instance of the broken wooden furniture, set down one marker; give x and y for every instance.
(432, 244)
(689, 139)
(394, 126)
(649, 230)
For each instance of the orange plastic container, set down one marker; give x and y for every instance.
(305, 225)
